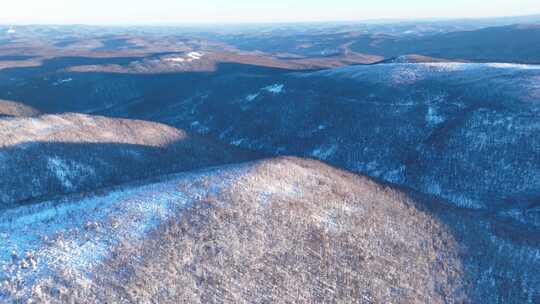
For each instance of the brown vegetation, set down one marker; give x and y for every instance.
(16, 109)
(288, 231)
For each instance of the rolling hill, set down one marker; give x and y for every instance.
(512, 43)
(132, 170)
(57, 154)
(412, 124)
(279, 230)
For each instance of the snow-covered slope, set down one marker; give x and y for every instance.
(78, 233)
(276, 230)
(467, 132)
(464, 132)
(420, 125)
(55, 154)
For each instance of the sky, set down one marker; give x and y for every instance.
(250, 11)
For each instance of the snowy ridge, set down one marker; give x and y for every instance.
(80, 236)
(189, 57)
(76, 234)
(410, 73)
(275, 88)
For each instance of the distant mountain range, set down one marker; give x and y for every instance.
(517, 43)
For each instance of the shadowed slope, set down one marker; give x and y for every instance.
(55, 154)
(419, 125)
(514, 43)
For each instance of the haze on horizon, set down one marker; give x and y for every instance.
(243, 11)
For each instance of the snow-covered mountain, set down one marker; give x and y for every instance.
(459, 139)
(283, 229)
(55, 154)
(415, 124)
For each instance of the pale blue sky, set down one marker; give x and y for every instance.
(235, 11)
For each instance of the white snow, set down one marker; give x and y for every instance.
(445, 66)
(175, 59)
(324, 152)
(189, 57)
(400, 74)
(61, 81)
(61, 170)
(195, 55)
(238, 142)
(319, 128)
(513, 66)
(252, 97)
(275, 88)
(405, 75)
(76, 234)
(196, 125)
(463, 201)
(66, 171)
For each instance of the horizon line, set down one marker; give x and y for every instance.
(255, 23)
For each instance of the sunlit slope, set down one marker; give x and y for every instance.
(281, 230)
(15, 109)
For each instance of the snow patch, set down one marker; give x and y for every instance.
(66, 171)
(77, 234)
(405, 75)
(433, 118)
(195, 55)
(196, 125)
(252, 97)
(61, 81)
(175, 59)
(445, 66)
(238, 142)
(189, 57)
(513, 66)
(275, 88)
(324, 152)
(61, 170)
(463, 201)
